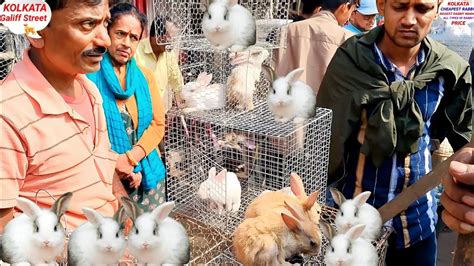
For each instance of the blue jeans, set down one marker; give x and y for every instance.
(422, 253)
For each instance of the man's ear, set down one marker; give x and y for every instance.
(37, 42)
(381, 7)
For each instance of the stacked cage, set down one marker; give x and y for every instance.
(11, 50)
(235, 134)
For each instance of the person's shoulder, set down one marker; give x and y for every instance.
(16, 104)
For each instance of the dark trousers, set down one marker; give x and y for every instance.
(422, 253)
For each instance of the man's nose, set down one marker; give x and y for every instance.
(409, 18)
(102, 37)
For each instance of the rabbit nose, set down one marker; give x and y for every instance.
(46, 243)
(217, 28)
(145, 245)
(109, 248)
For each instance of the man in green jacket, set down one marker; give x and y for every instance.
(393, 91)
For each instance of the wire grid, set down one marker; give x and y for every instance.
(11, 50)
(213, 103)
(328, 214)
(261, 152)
(187, 16)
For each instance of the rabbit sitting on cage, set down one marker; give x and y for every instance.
(226, 24)
(241, 84)
(222, 190)
(271, 238)
(200, 95)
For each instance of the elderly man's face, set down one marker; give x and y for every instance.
(76, 38)
(407, 22)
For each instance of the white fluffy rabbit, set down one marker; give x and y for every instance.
(36, 236)
(348, 249)
(155, 238)
(357, 211)
(242, 79)
(290, 98)
(98, 241)
(200, 96)
(223, 190)
(228, 24)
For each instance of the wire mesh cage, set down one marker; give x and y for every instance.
(220, 84)
(259, 151)
(11, 50)
(186, 17)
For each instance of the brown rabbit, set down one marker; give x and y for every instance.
(274, 201)
(270, 238)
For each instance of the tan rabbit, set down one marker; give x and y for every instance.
(274, 201)
(270, 238)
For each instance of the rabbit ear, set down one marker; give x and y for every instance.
(212, 173)
(294, 75)
(311, 200)
(93, 216)
(295, 211)
(327, 229)
(130, 208)
(297, 187)
(220, 177)
(120, 216)
(269, 72)
(204, 79)
(205, 5)
(362, 198)
(355, 231)
(291, 222)
(337, 196)
(162, 211)
(28, 207)
(60, 206)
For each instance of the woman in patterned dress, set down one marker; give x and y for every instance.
(133, 109)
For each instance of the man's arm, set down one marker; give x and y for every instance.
(5, 216)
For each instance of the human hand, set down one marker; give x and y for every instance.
(135, 180)
(458, 197)
(123, 167)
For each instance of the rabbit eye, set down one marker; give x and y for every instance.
(99, 234)
(274, 91)
(55, 228)
(332, 249)
(349, 248)
(288, 91)
(226, 15)
(342, 213)
(209, 15)
(117, 235)
(154, 231)
(136, 231)
(311, 243)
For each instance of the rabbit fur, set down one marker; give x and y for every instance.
(357, 211)
(199, 95)
(226, 24)
(36, 236)
(155, 238)
(223, 190)
(349, 248)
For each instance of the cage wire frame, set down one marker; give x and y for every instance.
(261, 152)
(187, 15)
(11, 50)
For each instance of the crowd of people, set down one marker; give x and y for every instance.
(84, 111)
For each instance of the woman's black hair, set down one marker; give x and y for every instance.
(123, 9)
